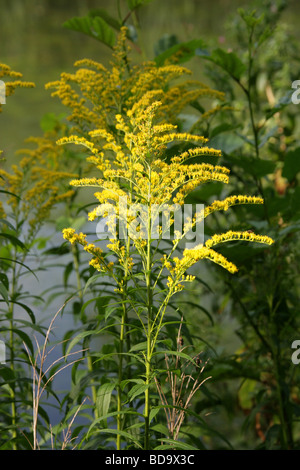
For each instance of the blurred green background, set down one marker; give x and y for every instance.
(34, 42)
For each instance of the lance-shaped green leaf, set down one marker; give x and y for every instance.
(95, 27)
(104, 397)
(183, 51)
(133, 4)
(228, 61)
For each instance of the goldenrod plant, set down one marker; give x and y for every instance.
(132, 167)
(160, 200)
(31, 189)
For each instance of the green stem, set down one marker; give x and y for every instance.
(280, 397)
(252, 119)
(149, 334)
(80, 294)
(12, 343)
(77, 271)
(124, 321)
(120, 373)
(139, 33)
(286, 432)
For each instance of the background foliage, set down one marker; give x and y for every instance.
(243, 325)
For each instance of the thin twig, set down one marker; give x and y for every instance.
(38, 376)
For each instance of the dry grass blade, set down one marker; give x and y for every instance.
(182, 388)
(40, 381)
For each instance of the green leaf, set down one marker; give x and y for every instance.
(10, 194)
(4, 292)
(139, 346)
(78, 338)
(200, 307)
(113, 354)
(185, 51)
(228, 61)
(127, 381)
(227, 142)
(136, 390)
(4, 280)
(19, 262)
(224, 127)
(95, 27)
(164, 43)
(133, 4)
(171, 444)
(25, 338)
(58, 250)
(124, 434)
(256, 167)
(102, 13)
(250, 19)
(178, 354)
(27, 309)
(84, 334)
(282, 103)
(153, 412)
(8, 224)
(267, 136)
(103, 398)
(291, 164)
(246, 393)
(260, 168)
(295, 204)
(91, 280)
(50, 121)
(74, 222)
(14, 240)
(160, 428)
(67, 272)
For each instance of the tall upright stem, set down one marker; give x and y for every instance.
(121, 350)
(120, 374)
(12, 355)
(79, 287)
(149, 333)
(13, 291)
(124, 321)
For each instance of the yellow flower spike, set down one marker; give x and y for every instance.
(69, 234)
(226, 204)
(193, 255)
(138, 128)
(87, 182)
(233, 236)
(10, 86)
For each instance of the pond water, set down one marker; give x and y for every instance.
(34, 42)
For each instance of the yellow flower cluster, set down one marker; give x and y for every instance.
(14, 80)
(154, 181)
(232, 236)
(98, 261)
(37, 183)
(125, 117)
(143, 167)
(225, 204)
(95, 94)
(193, 255)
